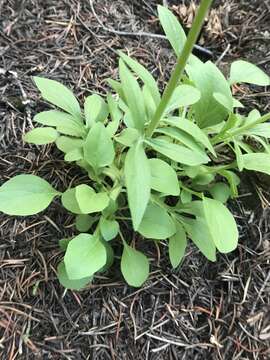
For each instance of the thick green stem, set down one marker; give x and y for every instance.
(180, 66)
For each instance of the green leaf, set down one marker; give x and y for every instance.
(70, 202)
(95, 109)
(262, 130)
(59, 95)
(134, 266)
(64, 123)
(26, 195)
(203, 178)
(89, 201)
(178, 153)
(68, 283)
(252, 116)
(245, 72)
(84, 222)
(199, 234)
(183, 95)
(163, 177)
(224, 100)
(209, 80)
(193, 130)
(221, 225)
(115, 114)
(239, 156)
(173, 30)
(232, 179)
(144, 75)
(41, 136)
(138, 182)
(220, 192)
(185, 196)
(98, 147)
(156, 223)
(182, 137)
(177, 245)
(63, 243)
(67, 144)
(74, 155)
(133, 95)
(128, 137)
(117, 87)
(257, 162)
(109, 228)
(149, 103)
(110, 256)
(85, 255)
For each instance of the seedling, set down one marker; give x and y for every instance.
(154, 162)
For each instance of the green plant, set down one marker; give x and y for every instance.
(165, 165)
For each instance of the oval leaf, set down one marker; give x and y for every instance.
(183, 95)
(98, 147)
(25, 195)
(64, 123)
(198, 232)
(257, 162)
(138, 180)
(67, 144)
(245, 72)
(59, 95)
(209, 80)
(173, 30)
(177, 245)
(163, 177)
(156, 223)
(178, 153)
(68, 283)
(220, 192)
(95, 109)
(89, 201)
(70, 202)
(134, 266)
(85, 255)
(221, 225)
(133, 96)
(108, 228)
(41, 136)
(84, 222)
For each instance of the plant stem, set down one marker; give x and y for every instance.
(180, 65)
(246, 127)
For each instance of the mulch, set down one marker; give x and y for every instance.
(202, 310)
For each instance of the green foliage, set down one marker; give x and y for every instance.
(171, 183)
(85, 255)
(41, 136)
(177, 245)
(134, 266)
(26, 195)
(138, 182)
(245, 72)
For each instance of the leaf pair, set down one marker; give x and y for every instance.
(84, 200)
(214, 227)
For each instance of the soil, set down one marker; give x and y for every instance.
(199, 311)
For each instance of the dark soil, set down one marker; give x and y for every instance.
(200, 311)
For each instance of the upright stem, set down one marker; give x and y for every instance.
(180, 65)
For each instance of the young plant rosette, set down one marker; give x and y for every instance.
(166, 165)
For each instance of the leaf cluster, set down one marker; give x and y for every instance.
(170, 186)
